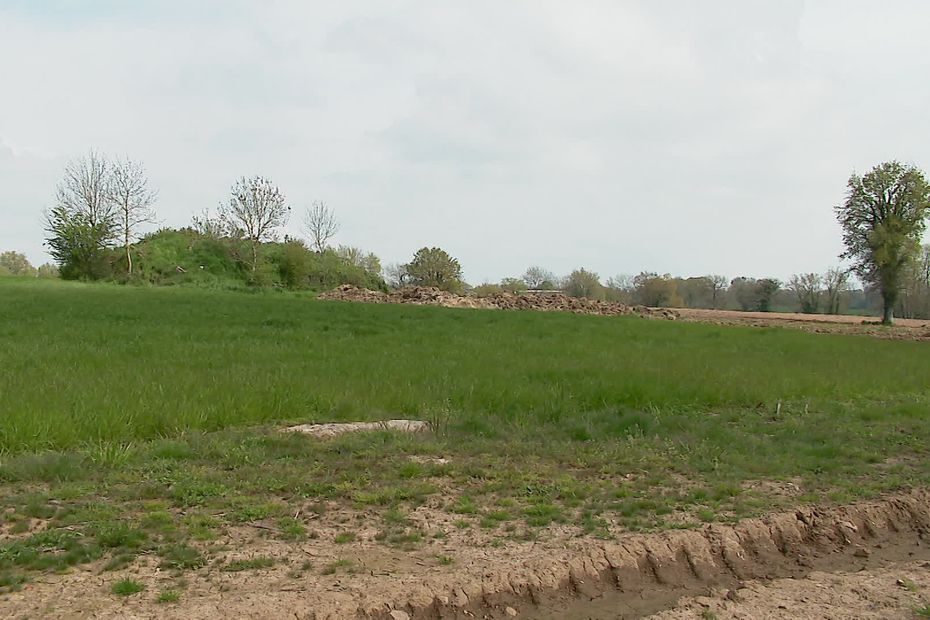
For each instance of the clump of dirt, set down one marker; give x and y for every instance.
(331, 429)
(541, 301)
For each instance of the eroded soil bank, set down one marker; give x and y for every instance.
(557, 576)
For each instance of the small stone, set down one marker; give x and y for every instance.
(399, 615)
(510, 611)
(861, 553)
(732, 595)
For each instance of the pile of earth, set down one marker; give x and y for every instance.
(542, 301)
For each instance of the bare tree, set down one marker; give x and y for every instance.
(835, 283)
(320, 224)
(257, 206)
(84, 192)
(129, 190)
(806, 287)
(718, 284)
(396, 275)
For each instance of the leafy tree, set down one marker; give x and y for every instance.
(48, 270)
(16, 264)
(258, 208)
(295, 264)
(883, 218)
(754, 295)
(357, 258)
(77, 245)
(583, 283)
(537, 278)
(807, 288)
(651, 289)
(513, 285)
(765, 292)
(434, 267)
(83, 223)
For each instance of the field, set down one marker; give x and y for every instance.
(140, 429)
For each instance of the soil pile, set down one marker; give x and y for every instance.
(546, 302)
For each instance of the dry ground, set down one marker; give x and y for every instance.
(812, 554)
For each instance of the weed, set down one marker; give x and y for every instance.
(168, 596)
(250, 564)
(127, 587)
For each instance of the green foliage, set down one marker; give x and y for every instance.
(583, 283)
(651, 289)
(754, 295)
(127, 587)
(78, 245)
(434, 267)
(883, 218)
(15, 264)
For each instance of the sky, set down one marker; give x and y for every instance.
(669, 136)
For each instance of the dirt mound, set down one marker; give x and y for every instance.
(545, 302)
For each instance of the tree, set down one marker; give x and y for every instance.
(718, 285)
(434, 267)
(16, 264)
(258, 208)
(883, 218)
(807, 288)
(213, 226)
(537, 278)
(835, 283)
(47, 270)
(83, 222)
(84, 191)
(321, 225)
(357, 258)
(754, 295)
(583, 283)
(396, 275)
(128, 189)
(651, 289)
(513, 285)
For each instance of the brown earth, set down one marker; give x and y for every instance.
(903, 329)
(722, 569)
(543, 301)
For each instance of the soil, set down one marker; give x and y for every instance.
(549, 301)
(804, 564)
(553, 301)
(903, 329)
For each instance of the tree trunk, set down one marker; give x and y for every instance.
(888, 314)
(254, 256)
(128, 253)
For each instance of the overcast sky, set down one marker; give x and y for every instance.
(671, 136)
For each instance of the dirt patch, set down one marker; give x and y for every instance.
(893, 591)
(331, 429)
(558, 575)
(545, 302)
(903, 329)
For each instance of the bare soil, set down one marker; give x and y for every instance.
(548, 301)
(721, 569)
(903, 329)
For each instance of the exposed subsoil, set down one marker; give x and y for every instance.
(904, 329)
(543, 301)
(720, 569)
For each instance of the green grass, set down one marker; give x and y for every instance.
(127, 587)
(250, 564)
(146, 420)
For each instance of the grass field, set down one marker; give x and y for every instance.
(165, 403)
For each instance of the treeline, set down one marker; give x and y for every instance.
(93, 233)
